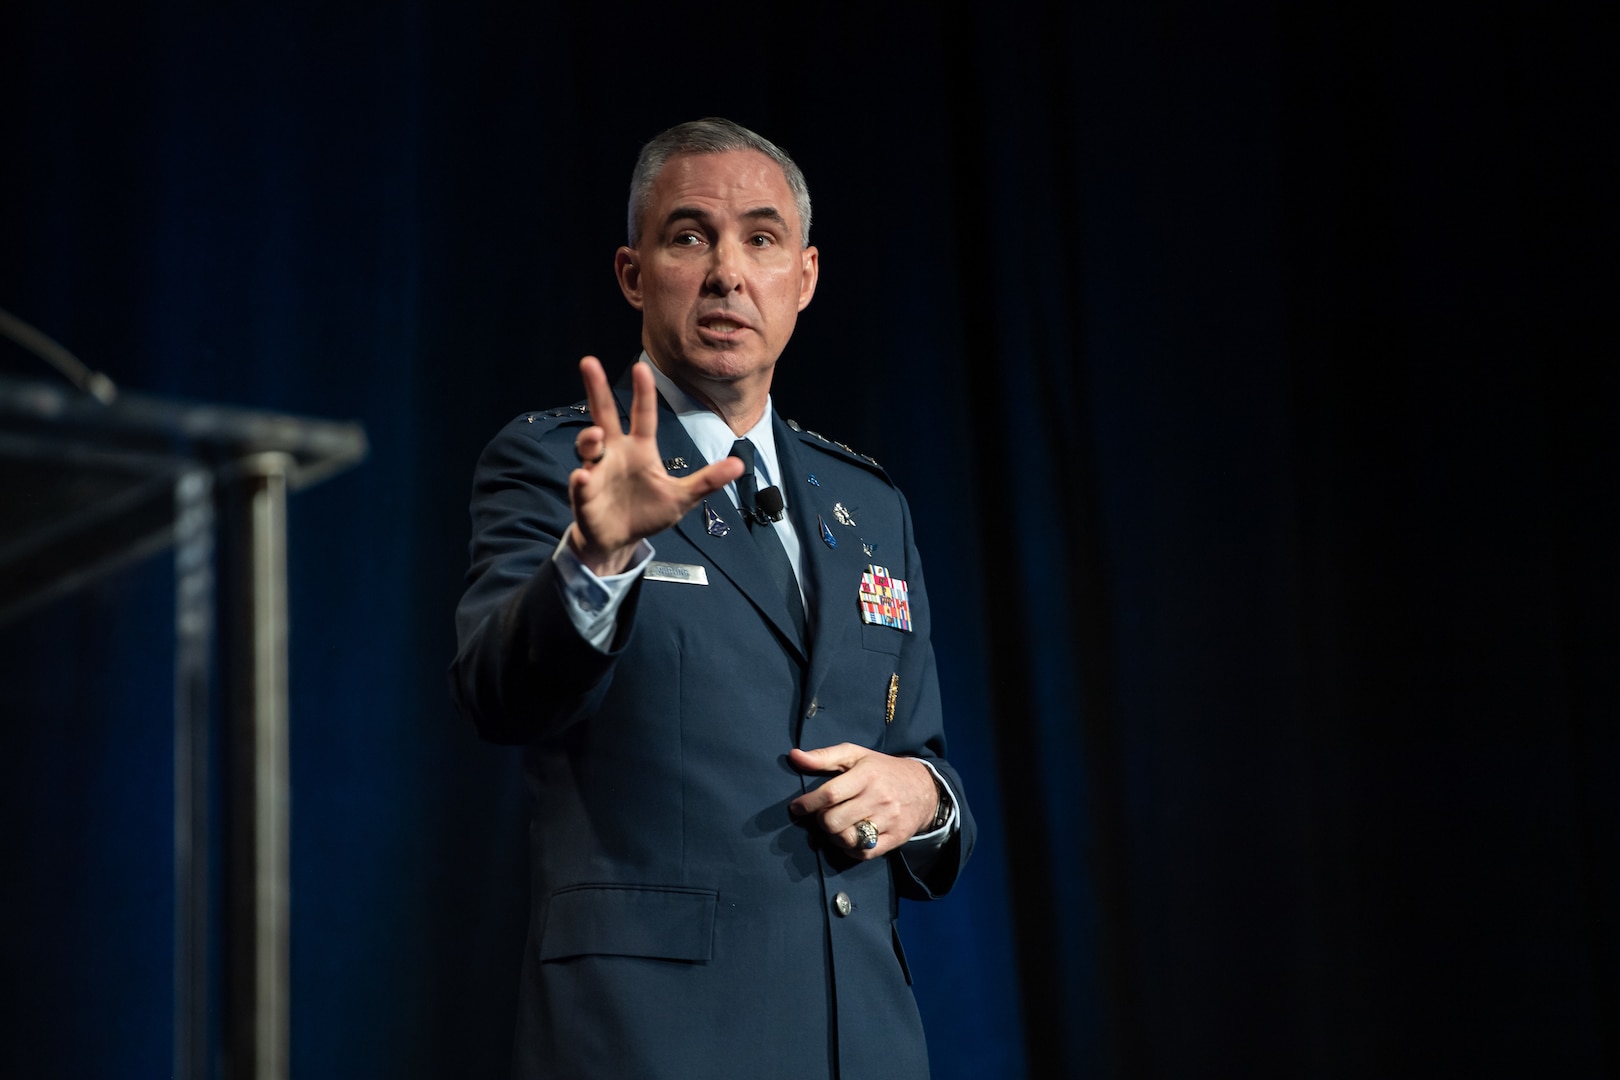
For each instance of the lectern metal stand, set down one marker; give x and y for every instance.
(88, 488)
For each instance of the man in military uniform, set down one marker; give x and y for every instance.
(709, 629)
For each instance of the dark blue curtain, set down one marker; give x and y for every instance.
(1247, 369)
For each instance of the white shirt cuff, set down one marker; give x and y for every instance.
(593, 602)
(943, 833)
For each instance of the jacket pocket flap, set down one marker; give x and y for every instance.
(660, 922)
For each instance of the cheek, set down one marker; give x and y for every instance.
(786, 294)
(664, 303)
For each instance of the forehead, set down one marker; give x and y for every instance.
(729, 183)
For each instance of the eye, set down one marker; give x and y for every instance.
(686, 238)
(762, 240)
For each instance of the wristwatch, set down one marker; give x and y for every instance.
(942, 811)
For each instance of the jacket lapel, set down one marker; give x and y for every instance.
(832, 590)
(734, 554)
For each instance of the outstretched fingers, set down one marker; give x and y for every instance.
(599, 396)
(644, 403)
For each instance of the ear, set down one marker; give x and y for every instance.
(809, 270)
(627, 268)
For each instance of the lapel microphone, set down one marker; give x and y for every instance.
(770, 505)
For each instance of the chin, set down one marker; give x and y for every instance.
(724, 365)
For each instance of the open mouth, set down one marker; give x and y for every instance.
(721, 323)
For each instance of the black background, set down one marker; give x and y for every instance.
(1246, 369)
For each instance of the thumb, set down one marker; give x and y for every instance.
(827, 759)
(712, 478)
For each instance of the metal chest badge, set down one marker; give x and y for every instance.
(885, 600)
(713, 522)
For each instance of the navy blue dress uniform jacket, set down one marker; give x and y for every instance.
(683, 925)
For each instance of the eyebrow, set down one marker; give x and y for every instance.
(758, 213)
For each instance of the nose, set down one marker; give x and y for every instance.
(725, 269)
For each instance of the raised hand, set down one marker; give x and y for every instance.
(621, 493)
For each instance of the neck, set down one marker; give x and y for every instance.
(739, 404)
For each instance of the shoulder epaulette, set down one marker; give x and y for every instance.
(577, 410)
(845, 447)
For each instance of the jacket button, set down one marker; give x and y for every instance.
(813, 708)
(842, 904)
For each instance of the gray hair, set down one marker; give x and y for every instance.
(712, 135)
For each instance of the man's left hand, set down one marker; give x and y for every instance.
(896, 794)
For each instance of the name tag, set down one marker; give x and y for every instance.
(685, 573)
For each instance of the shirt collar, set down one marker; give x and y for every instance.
(712, 435)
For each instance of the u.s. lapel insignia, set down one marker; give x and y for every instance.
(870, 549)
(826, 533)
(844, 516)
(713, 522)
(885, 601)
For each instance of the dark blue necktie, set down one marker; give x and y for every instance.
(765, 538)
